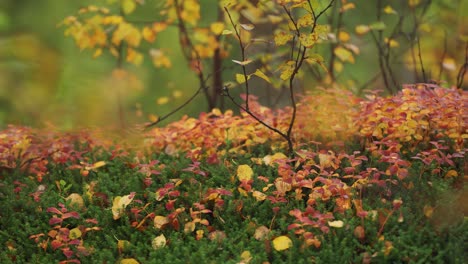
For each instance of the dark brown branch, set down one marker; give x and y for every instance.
(463, 69)
(421, 64)
(442, 58)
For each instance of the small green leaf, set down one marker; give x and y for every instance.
(379, 25)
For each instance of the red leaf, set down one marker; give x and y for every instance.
(55, 244)
(54, 210)
(74, 242)
(68, 253)
(92, 221)
(71, 214)
(55, 220)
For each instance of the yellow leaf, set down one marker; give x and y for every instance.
(191, 11)
(177, 94)
(74, 233)
(160, 221)
(129, 261)
(97, 165)
(270, 159)
(242, 62)
(343, 36)
(318, 59)
(449, 64)
(392, 43)
(287, 70)
(260, 74)
(159, 58)
(112, 20)
(336, 224)
(97, 53)
(352, 47)
(282, 38)
(282, 186)
(347, 6)
(244, 172)
(217, 27)
(305, 21)
(282, 243)
(123, 245)
(128, 6)
(246, 256)
(75, 200)
(362, 29)
(259, 195)
(389, 10)
(189, 227)
(162, 100)
(308, 40)
(134, 56)
(199, 234)
(275, 19)
(148, 34)
(240, 78)
(119, 204)
(247, 27)
(388, 248)
(325, 160)
(344, 54)
(451, 173)
(226, 32)
(153, 118)
(242, 192)
(158, 27)
(159, 242)
(413, 3)
(428, 211)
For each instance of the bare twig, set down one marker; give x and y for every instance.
(176, 109)
(463, 69)
(444, 53)
(242, 49)
(421, 64)
(191, 54)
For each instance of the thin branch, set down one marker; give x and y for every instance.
(228, 94)
(383, 71)
(177, 108)
(463, 69)
(185, 40)
(242, 48)
(421, 61)
(331, 64)
(444, 53)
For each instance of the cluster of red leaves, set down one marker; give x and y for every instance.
(31, 150)
(62, 237)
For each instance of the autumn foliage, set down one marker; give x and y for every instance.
(323, 174)
(317, 192)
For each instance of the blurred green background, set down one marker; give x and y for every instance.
(45, 79)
